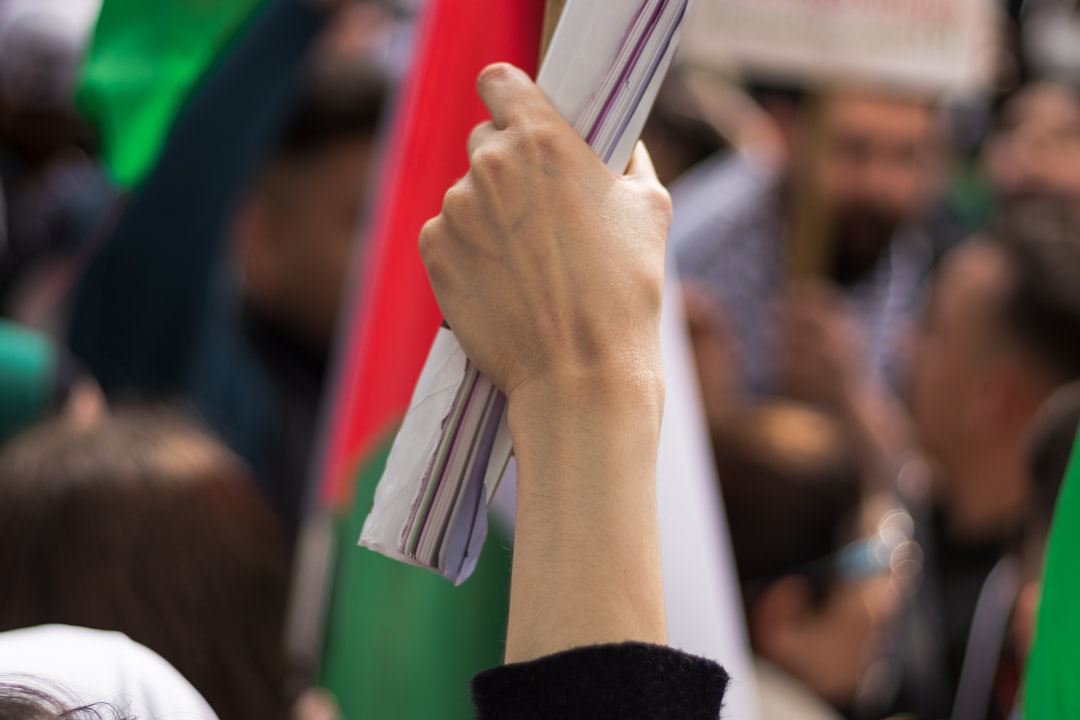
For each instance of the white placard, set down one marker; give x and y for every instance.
(927, 45)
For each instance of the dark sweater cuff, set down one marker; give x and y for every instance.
(627, 681)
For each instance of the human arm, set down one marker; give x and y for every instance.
(822, 359)
(549, 267)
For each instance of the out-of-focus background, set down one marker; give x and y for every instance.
(212, 315)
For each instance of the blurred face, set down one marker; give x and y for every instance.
(826, 647)
(849, 634)
(875, 167)
(300, 241)
(1036, 150)
(952, 359)
(830, 646)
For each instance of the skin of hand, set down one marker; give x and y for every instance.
(550, 269)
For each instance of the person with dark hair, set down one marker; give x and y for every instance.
(816, 588)
(26, 703)
(873, 171)
(1001, 332)
(57, 672)
(1035, 149)
(141, 523)
(270, 156)
(297, 230)
(816, 253)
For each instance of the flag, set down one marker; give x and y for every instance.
(144, 60)
(701, 587)
(401, 642)
(1051, 688)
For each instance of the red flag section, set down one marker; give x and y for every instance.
(394, 318)
(398, 641)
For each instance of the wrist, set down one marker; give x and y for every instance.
(596, 403)
(586, 551)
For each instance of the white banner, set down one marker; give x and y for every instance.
(927, 45)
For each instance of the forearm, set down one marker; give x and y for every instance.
(587, 555)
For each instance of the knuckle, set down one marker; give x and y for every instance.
(455, 201)
(543, 139)
(489, 161)
(430, 236)
(479, 132)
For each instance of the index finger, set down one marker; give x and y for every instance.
(510, 95)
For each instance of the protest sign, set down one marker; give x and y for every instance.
(927, 45)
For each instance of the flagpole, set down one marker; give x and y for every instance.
(552, 12)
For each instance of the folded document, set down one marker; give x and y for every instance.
(603, 70)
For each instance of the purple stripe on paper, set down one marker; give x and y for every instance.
(628, 68)
(442, 472)
(466, 539)
(648, 80)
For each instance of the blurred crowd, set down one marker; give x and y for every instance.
(889, 427)
(882, 292)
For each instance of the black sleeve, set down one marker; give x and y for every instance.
(627, 682)
(143, 295)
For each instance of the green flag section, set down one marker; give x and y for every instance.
(399, 641)
(1052, 690)
(145, 57)
(404, 643)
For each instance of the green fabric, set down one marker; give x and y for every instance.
(403, 642)
(1053, 685)
(27, 364)
(145, 57)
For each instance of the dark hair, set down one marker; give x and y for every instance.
(141, 523)
(21, 702)
(791, 484)
(1042, 308)
(339, 102)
